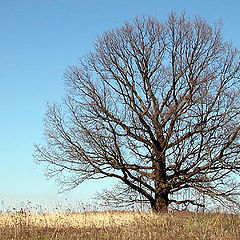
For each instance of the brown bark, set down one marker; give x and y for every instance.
(160, 203)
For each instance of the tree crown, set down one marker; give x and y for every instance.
(156, 106)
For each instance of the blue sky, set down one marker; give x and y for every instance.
(38, 40)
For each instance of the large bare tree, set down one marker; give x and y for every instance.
(155, 105)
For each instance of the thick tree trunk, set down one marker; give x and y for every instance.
(160, 204)
(161, 201)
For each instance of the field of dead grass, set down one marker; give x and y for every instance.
(119, 225)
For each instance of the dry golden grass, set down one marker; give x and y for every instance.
(120, 225)
(75, 220)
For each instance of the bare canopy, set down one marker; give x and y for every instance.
(155, 105)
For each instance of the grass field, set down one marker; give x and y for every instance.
(120, 225)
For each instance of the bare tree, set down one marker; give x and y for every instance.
(156, 105)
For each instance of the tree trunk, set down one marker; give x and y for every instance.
(160, 204)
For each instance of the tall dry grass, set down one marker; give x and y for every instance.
(119, 225)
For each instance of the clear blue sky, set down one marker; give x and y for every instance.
(38, 40)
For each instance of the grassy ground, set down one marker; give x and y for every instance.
(120, 225)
